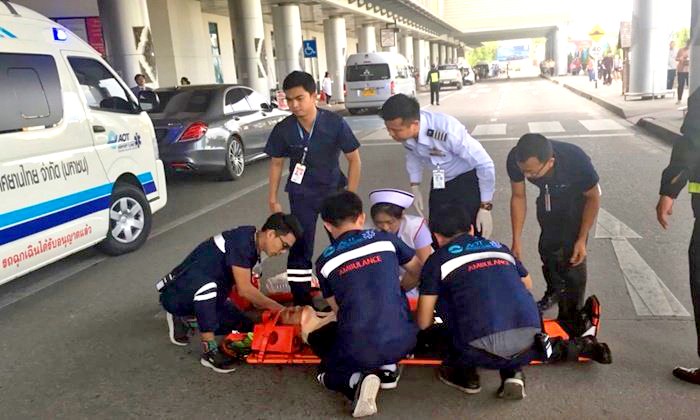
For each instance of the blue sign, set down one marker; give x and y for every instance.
(309, 46)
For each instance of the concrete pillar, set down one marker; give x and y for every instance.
(336, 45)
(650, 32)
(127, 31)
(249, 38)
(450, 55)
(442, 54)
(434, 54)
(287, 33)
(561, 52)
(406, 47)
(421, 59)
(367, 39)
(694, 46)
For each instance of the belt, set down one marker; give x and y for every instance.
(164, 282)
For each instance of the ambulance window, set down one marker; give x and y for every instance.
(102, 90)
(29, 82)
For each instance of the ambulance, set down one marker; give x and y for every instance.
(79, 160)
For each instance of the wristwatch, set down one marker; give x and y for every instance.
(486, 206)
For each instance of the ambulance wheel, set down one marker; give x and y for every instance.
(129, 220)
(235, 159)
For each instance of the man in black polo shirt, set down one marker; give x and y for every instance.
(359, 275)
(566, 210)
(312, 139)
(199, 287)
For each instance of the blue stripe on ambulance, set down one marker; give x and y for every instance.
(33, 219)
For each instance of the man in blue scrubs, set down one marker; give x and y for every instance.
(312, 139)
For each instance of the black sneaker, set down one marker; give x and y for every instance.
(599, 352)
(548, 301)
(389, 378)
(687, 374)
(178, 330)
(512, 388)
(590, 316)
(218, 361)
(466, 380)
(365, 401)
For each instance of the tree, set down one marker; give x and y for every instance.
(487, 52)
(681, 37)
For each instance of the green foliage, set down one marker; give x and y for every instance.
(681, 37)
(487, 53)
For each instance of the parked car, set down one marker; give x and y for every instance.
(482, 70)
(450, 75)
(372, 78)
(213, 128)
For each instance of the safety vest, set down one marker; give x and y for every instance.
(434, 77)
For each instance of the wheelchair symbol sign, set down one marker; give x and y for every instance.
(309, 46)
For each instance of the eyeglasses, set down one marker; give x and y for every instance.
(284, 244)
(538, 174)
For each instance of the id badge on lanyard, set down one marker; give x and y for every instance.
(300, 168)
(438, 178)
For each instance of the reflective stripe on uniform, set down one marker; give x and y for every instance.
(363, 251)
(455, 263)
(220, 242)
(694, 187)
(205, 292)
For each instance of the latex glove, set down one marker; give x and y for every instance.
(418, 199)
(484, 223)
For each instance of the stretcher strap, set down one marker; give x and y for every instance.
(269, 327)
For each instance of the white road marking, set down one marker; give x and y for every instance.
(649, 294)
(489, 130)
(546, 127)
(600, 125)
(562, 137)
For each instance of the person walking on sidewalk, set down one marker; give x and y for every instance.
(434, 82)
(671, 74)
(327, 87)
(684, 168)
(683, 68)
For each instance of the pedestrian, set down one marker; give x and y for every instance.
(184, 81)
(671, 72)
(684, 168)
(434, 81)
(462, 171)
(682, 69)
(374, 328)
(607, 69)
(140, 80)
(567, 206)
(327, 87)
(617, 67)
(312, 139)
(590, 68)
(200, 286)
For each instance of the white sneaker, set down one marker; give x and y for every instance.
(365, 403)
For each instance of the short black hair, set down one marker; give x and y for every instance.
(400, 106)
(139, 75)
(449, 220)
(344, 206)
(299, 78)
(283, 224)
(533, 145)
(391, 209)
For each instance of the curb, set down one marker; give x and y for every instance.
(659, 129)
(602, 102)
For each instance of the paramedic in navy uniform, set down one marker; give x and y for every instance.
(312, 139)
(463, 172)
(358, 275)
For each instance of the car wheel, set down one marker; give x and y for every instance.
(129, 220)
(235, 159)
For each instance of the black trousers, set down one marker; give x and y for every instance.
(336, 373)
(434, 93)
(670, 76)
(694, 265)
(567, 281)
(463, 191)
(682, 81)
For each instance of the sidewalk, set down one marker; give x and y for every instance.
(660, 117)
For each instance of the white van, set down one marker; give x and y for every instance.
(79, 163)
(372, 78)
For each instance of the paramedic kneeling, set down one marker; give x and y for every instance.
(480, 292)
(199, 287)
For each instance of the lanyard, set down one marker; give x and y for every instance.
(306, 140)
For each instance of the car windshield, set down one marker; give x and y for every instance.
(447, 67)
(192, 101)
(365, 72)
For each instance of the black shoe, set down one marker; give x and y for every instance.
(178, 330)
(218, 361)
(466, 380)
(547, 301)
(365, 401)
(390, 378)
(687, 374)
(513, 388)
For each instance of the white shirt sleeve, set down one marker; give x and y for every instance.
(468, 148)
(414, 167)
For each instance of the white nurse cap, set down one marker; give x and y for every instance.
(400, 198)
